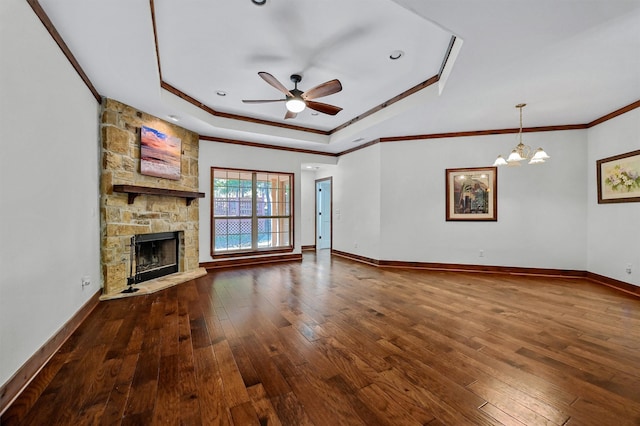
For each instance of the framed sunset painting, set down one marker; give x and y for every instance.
(159, 154)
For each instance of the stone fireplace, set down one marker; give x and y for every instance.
(133, 206)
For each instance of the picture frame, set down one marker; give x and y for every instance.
(472, 194)
(160, 154)
(618, 178)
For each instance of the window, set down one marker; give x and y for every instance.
(251, 212)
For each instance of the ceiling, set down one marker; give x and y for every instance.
(571, 61)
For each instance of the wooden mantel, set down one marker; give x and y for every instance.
(133, 191)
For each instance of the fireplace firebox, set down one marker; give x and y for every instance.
(153, 256)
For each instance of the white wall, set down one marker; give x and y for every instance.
(541, 208)
(613, 229)
(307, 208)
(356, 202)
(391, 203)
(49, 221)
(216, 154)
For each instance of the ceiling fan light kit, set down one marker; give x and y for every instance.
(522, 152)
(295, 103)
(296, 100)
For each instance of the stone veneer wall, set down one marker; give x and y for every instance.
(120, 134)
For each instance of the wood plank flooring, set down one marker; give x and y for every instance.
(333, 342)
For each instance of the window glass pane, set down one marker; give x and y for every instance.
(264, 240)
(221, 226)
(262, 179)
(264, 225)
(273, 233)
(245, 233)
(220, 229)
(220, 207)
(245, 226)
(282, 209)
(245, 241)
(221, 243)
(234, 226)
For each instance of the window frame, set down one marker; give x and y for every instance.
(254, 216)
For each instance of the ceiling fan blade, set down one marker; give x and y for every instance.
(324, 108)
(261, 101)
(290, 114)
(325, 89)
(274, 82)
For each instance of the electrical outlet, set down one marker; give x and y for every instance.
(355, 245)
(86, 281)
(481, 253)
(628, 268)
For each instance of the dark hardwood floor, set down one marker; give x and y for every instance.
(330, 341)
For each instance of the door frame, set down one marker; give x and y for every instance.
(315, 210)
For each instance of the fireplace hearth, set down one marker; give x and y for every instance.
(153, 256)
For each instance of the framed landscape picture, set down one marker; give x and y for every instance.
(472, 194)
(618, 178)
(159, 154)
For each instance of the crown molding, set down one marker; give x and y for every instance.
(40, 13)
(44, 18)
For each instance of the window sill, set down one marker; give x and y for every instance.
(252, 253)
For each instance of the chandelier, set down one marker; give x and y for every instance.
(522, 152)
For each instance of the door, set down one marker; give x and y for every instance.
(323, 213)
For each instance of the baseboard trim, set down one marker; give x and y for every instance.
(453, 267)
(485, 269)
(309, 248)
(356, 257)
(233, 263)
(16, 384)
(613, 283)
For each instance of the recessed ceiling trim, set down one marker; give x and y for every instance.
(614, 114)
(210, 110)
(485, 132)
(446, 56)
(391, 101)
(169, 88)
(200, 113)
(266, 146)
(449, 59)
(600, 120)
(359, 147)
(155, 35)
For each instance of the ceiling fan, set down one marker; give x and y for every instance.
(296, 100)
